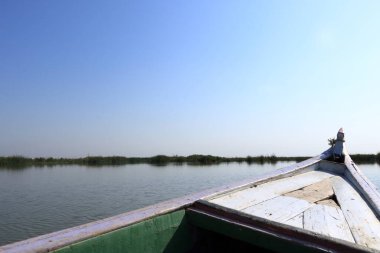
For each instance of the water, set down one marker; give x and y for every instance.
(35, 201)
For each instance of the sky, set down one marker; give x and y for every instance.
(229, 78)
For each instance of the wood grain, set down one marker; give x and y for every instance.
(252, 196)
(327, 220)
(315, 192)
(296, 221)
(280, 209)
(364, 225)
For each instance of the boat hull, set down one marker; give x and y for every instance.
(169, 232)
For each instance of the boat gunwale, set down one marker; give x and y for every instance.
(59, 239)
(364, 186)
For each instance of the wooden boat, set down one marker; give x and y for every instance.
(323, 204)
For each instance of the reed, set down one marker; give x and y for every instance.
(196, 159)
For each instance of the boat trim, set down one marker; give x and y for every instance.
(369, 191)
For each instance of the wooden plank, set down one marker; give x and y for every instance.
(296, 221)
(364, 225)
(367, 188)
(203, 216)
(255, 195)
(280, 209)
(315, 192)
(329, 166)
(327, 220)
(328, 202)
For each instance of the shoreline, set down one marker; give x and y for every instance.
(161, 160)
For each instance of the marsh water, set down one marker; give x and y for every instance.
(39, 200)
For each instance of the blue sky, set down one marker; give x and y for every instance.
(231, 78)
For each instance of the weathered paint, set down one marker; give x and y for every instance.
(167, 233)
(255, 195)
(366, 187)
(266, 234)
(246, 234)
(364, 225)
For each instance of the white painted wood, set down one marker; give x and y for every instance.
(327, 220)
(280, 209)
(311, 164)
(296, 221)
(314, 192)
(367, 188)
(337, 168)
(252, 196)
(364, 225)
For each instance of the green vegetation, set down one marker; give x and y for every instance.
(366, 158)
(331, 141)
(20, 161)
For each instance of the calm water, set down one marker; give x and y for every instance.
(36, 201)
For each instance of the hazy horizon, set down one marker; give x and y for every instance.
(226, 78)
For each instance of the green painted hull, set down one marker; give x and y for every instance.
(166, 233)
(172, 232)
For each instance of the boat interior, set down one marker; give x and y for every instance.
(319, 200)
